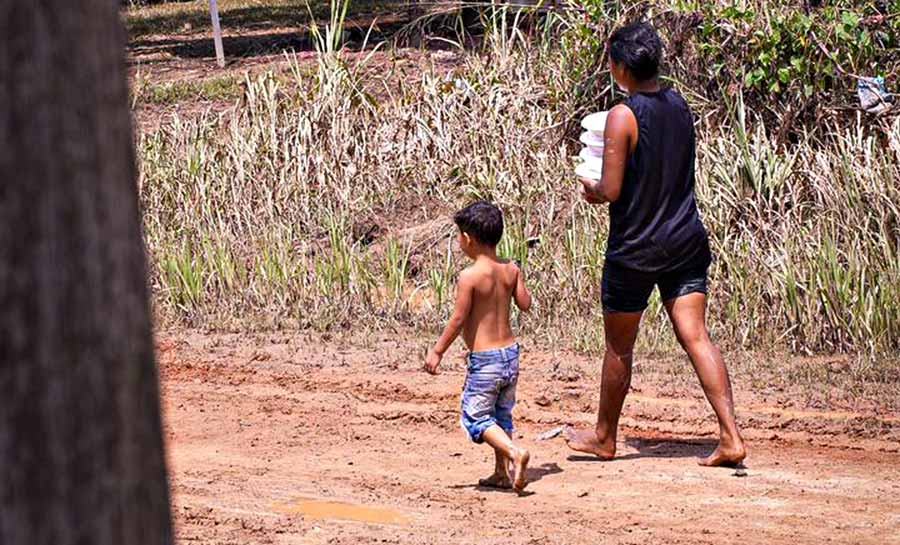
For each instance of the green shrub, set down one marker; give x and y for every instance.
(790, 65)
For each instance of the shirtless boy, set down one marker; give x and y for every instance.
(483, 299)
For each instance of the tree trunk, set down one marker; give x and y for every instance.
(81, 449)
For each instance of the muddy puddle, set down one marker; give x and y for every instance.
(317, 509)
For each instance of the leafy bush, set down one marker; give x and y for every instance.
(791, 65)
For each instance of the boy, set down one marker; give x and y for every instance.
(482, 311)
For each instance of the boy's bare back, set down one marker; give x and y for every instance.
(484, 289)
(492, 285)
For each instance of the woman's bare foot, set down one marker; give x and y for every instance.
(520, 468)
(587, 441)
(497, 480)
(725, 455)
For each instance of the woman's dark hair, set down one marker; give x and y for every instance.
(637, 46)
(482, 221)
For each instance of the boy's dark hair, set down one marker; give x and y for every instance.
(639, 48)
(481, 220)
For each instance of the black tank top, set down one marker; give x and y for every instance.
(654, 225)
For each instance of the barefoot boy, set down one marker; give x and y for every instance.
(483, 298)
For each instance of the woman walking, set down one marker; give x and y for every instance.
(656, 238)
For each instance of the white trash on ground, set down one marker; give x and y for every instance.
(873, 95)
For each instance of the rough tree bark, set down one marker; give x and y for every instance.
(81, 449)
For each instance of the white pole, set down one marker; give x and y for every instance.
(217, 32)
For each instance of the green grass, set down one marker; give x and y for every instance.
(219, 88)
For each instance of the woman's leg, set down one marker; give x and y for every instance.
(621, 330)
(688, 316)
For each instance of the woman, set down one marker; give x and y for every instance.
(656, 237)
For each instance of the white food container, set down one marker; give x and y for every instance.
(588, 154)
(592, 170)
(595, 123)
(591, 140)
(592, 155)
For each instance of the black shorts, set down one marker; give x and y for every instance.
(628, 290)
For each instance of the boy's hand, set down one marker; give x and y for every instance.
(432, 362)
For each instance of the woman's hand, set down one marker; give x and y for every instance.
(590, 191)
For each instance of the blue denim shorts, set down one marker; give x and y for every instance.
(490, 391)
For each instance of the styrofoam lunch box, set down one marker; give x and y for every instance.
(587, 154)
(592, 170)
(591, 141)
(595, 123)
(595, 163)
(594, 126)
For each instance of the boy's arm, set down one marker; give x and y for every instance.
(521, 295)
(454, 326)
(620, 136)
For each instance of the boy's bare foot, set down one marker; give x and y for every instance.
(520, 468)
(587, 441)
(497, 480)
(725, 455)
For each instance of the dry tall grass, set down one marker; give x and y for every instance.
(313, 205)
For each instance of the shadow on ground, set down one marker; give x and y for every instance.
(534, 475)
(251, 45)
(657, 448)
(235, 46)
(255, 17)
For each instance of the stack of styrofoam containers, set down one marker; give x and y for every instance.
(591, 155)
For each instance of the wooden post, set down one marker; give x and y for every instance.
(217, 32)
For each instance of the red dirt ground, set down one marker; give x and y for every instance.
(262, 429)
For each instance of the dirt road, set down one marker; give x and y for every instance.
(293, 439)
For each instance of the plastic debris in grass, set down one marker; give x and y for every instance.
(873, 96)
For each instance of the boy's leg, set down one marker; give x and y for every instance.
(688, 315)
(496, 437)
(479, 400)
(500, 478)
(621, 330)
(506, 401)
